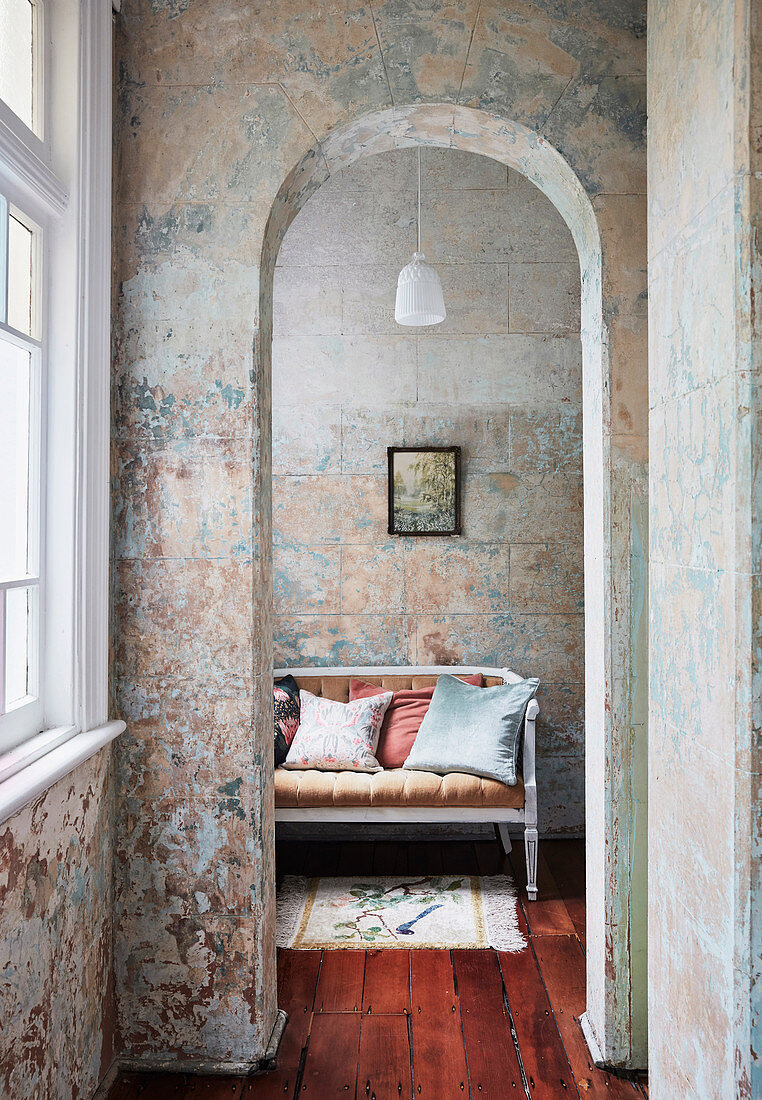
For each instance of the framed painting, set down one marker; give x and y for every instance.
(424, 490)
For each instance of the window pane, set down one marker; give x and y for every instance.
(18, 628)
(16, 58)
(19, 275)
(15, 378)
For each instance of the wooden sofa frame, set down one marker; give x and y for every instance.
(501, 818)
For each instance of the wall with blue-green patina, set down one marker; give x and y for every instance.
(56, 905)
(230, 116)
(705, 881)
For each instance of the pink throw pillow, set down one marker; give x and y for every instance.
(403, 717)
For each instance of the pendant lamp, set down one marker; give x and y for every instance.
(419, 291)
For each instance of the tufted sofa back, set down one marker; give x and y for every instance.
(337, 687)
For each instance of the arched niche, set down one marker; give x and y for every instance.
(614, 474)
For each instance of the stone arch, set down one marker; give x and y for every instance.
(615, 646)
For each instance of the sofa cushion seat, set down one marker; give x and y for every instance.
(394, 787)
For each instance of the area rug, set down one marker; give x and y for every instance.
(444, 911)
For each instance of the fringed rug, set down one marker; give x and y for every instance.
(442, 911)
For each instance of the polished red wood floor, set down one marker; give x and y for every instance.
(409, 1025)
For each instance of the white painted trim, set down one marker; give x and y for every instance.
(77, 257)
(91, 549)
(451, 815)
(528, 763)
(592, 1043)
(20, 757)
(21, 166)
(21, 723)
(38, 777)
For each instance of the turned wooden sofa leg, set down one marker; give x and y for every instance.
(530, 845)
(501, 828)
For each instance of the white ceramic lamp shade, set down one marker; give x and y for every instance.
(419, 291)
(419, 294)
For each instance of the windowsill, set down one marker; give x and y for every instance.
(21, 756)
(41, 773)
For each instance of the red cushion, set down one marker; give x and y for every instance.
(403, 717)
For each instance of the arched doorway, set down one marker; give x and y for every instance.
(615, 643)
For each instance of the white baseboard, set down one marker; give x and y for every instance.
(592, 1043)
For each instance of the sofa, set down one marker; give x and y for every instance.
(400, 795)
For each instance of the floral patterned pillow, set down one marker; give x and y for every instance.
(336, 737)
(285, 715)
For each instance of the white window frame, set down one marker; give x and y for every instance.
(62, 181)
(34, 137)
(16, 724)
(25, 714)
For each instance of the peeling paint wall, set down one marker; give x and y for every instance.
(705, 879)
(56, 899)
(218, 104)
(749, 1026)
(501, 377)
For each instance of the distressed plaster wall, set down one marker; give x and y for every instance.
(56, 976)
(223, 109)
(501, 377)
(705, 881)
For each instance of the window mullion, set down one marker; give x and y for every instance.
(38, 68)
(29, 343)
(3, 598)
(3, 260)
(37, 480)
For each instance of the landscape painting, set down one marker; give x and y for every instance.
(424, 490)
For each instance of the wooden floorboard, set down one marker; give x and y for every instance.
(384, 1068)
(339, 987)
(547, 915)
(224, 1088)
(122, 1088)
(490, 858)
(289, 859)
(297, 980)
(439, 1057)
(355, 858)
(387, 982)
(330, 1068)
(390, 859)
(493, 1064)
(425, 859)
(483, 1025)
(566, 861)
(546, 1066)
(562, 965)
(148, 1086)
(322, 859)
(459, 858)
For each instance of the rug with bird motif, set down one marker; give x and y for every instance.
(439, 911)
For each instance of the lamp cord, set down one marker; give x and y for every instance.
(419, 198)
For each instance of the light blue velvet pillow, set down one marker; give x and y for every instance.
(472, 729)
